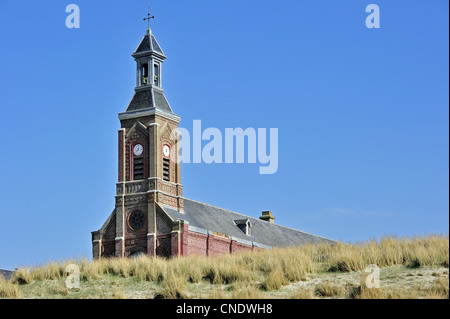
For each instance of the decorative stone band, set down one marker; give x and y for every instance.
(151, 196)
(200, 230)
(261, 245)
(156, 183)
(149, 112)
(241, 241)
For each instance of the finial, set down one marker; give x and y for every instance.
(149, 17)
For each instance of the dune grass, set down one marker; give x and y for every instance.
(8, 289)
(259, 274)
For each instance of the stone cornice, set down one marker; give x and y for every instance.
(149, 112)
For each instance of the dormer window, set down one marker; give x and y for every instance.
(156, 74)
(244, 225)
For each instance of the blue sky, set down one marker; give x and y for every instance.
(362, 113)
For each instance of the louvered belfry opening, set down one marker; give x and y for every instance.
(156, 74)
(138, 168)
(166, 169)
(145, 74)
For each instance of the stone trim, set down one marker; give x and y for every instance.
(148, 112)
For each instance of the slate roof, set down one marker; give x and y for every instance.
(148, 98)
(7, 274)
(149, 43)
(203, 217)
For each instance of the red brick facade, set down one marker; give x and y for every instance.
(180, 242)
(210, 244)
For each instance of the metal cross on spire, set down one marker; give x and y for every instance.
(149, 17)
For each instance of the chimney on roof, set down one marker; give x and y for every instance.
(268, 217)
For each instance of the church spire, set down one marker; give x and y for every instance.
(149, 93)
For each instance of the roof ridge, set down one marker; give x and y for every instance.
(140, 42)
(157, 43)
(259, 220)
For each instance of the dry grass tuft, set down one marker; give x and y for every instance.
(223, 271)
(245, 290)
(8, 289)
(303, 294)
(275, 280)
(370, 293)
(172, 286)
(329, 289)
(439, 289)
(22, 276)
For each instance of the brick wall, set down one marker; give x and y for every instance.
(108, 239)
(121, 155)
(197, 244)
(218, 245)
(239, 247)
(185, 242)
(212, 245)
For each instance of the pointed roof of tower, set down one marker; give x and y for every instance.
(148, 45)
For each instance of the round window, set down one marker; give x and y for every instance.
(136, 220)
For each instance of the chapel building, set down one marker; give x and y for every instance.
(151, 216)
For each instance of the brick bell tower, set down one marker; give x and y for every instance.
(149, 172)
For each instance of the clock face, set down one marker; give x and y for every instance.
(166, 150)
(138, 149)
